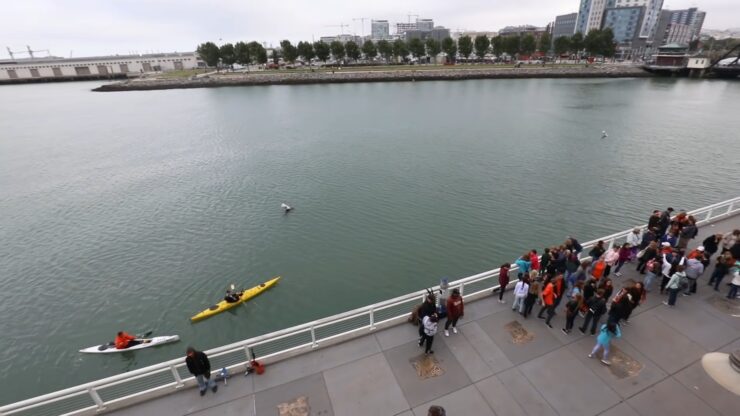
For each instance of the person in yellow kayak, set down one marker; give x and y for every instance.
(232, 296)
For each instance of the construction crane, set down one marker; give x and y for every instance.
(341, 25)
(362, 19)
(28, 51)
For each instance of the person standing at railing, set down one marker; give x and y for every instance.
(523, 264)
(548, 302)
(430, 329)
(503, 280)
(634, 239)
(534, 289)
(687, 233)
(665, 221)
(520, 294)
(624, 256)
(610, 258)
(199, 366)
(455, 311)
(534, 260)
(654, 220)
(545, 261)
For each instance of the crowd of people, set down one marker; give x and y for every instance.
(583, 283)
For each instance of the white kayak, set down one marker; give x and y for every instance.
(111, 347)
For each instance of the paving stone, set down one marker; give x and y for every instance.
(525, 394)
(499, 398)
(239, 407)
(397, 335)
(697, 380)
(669, 398)
(624, 385)
(494, 359)
(568, 385)
(495, 326)
(365, 387)
(416, 390)
(312, 387)
(663, 345)
(315, 362)
(697, 324)
(466, 401)
(622, 409)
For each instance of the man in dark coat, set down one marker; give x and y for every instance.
(200, 367)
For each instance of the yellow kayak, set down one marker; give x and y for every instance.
(224, 306)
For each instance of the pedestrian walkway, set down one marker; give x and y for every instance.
(500, 364)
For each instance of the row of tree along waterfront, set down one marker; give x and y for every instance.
(596, 42)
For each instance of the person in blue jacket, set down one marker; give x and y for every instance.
(607, 332)
(523, 264)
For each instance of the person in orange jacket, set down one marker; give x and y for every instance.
(124, 340)
(548, 302)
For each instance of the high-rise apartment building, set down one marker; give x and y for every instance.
(425, 24)
(380, 29)
(590, 15)
(565, 25)
(401, 28)
(692, 17)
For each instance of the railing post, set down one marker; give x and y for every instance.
(611, 244)
(462, 289)
(314, 344)
(96, 398)
(176, 375)
(709, 214)
(729, 209)
(372, 319)
(249, 355)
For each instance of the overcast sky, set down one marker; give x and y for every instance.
(98, 27)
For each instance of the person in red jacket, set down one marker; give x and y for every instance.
(534, 259)
(124, 340)
(455, 311)
(503, 281)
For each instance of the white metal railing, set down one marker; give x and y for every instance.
(159, 379)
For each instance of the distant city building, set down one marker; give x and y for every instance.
(327, 39)
(678, 27)
(380, 29)
(523, 30)
(565, 25)
(425, 24)
(590, 15)
(625, 23)
(473, 34)
(438, 33)
(401, 28)
(100, 66)
(692, 17)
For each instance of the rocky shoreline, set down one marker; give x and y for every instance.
(349, 75)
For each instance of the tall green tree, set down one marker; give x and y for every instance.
(353, 51)
(400, 49)
(416, 47)
(433, 48)
(449, 47)
(512, 45)
(323, 51)
(209, 53)
(290, 53)
(385, 49)
(528, 45)
(242, 54)
(465, 46)
(306, 51)
(482, 43)
(498, 45)
(576, 44)
(275, 57)
(257, 52)
(562, 45)
(608, 46)
(337, 50)
(226, 51)
(545, 43)
(369, 49)
(592, 42)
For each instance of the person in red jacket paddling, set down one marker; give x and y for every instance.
(455, 311)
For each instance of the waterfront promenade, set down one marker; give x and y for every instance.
(656, 366)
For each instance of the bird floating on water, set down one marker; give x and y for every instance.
(286, 207)
(603, 134)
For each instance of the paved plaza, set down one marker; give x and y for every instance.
(500, 364)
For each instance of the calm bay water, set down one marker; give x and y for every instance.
(135, 210)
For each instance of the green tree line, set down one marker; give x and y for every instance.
(596, 42)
